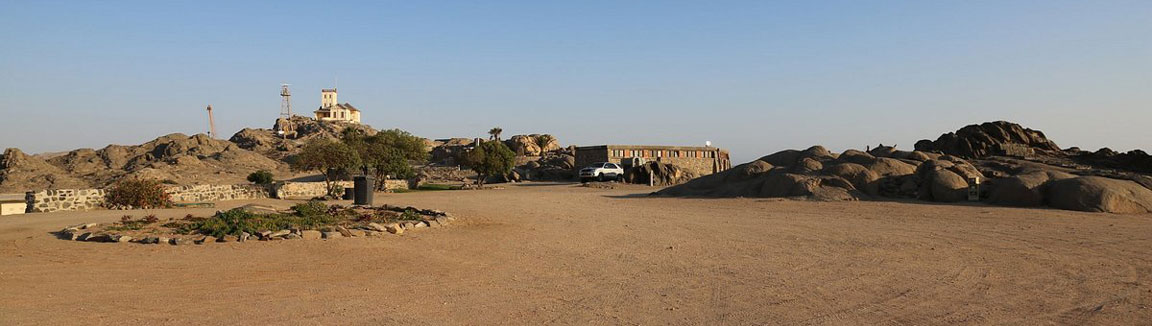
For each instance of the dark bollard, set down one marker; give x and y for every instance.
(349, 193)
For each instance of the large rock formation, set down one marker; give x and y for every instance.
(988, 139)
(885, 172)
(1098, 194)
(529, 144)
(814, 173)
(22, 172)
(176, 157)
(298, 131)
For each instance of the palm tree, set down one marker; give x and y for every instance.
(543, 141)
(495, 133)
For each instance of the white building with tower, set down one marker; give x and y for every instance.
(332, 110)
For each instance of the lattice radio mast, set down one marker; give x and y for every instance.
(285, 102)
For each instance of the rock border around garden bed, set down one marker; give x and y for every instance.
(92, 232)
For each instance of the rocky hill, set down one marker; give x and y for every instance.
(1015, 166)
(269, 143)
(175, 158)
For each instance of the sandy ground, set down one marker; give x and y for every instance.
(557, 253)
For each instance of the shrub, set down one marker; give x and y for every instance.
(138, 194)
(409, 215)
(311, 208)
(261, 177)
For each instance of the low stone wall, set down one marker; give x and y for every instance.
(64, 200)
(85, 199)
(305, 190)
(206, 193)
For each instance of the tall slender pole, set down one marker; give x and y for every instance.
(211, 123)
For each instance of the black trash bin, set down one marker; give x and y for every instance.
(349, 193)
(363, 190)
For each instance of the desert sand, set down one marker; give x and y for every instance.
(539, 253)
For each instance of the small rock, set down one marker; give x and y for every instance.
(277, 234)
(356, 233)
(99, 238)
(394, 228)
(85, 236)
(372, 233)
(88, 226)
(419, 225)
(206, 239)
(228, 238)
(310, 234)
(292, 236)
(150, 240)
(343, 231)
(378, 227)
(243, 236)
(162, 240)
(264, 234)
(332, 235)
(442, 220)
(178, 241)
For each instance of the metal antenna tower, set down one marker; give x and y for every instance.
(285, 102)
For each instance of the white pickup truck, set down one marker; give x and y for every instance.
(602, 172)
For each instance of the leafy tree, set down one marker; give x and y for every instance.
(327, 157)
(490, 158)
(389, 153)
(495, 133)
(543, 141)
(261, 177)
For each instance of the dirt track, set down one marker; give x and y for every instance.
(541, 253)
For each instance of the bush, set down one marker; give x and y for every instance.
(138, 194)
(409, 215)
(311, 208)
(261, 177)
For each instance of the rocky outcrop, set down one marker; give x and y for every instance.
(529, 144)
(196, 159)
(298, 130)
(988, 139)
(1024, 190)
(1098, 194)
(21, 172)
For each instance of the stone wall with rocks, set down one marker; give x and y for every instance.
(207, 193)
(306, 190)
(85, 199)
(64, 200)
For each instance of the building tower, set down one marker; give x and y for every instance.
(285, 102)
(328, 98)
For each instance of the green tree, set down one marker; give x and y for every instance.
(543, 141)
(495, 133)
(490, 158)
(390, 153)
(261, 177)
(326, 156)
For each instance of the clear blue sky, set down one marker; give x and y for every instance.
(751, 76)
